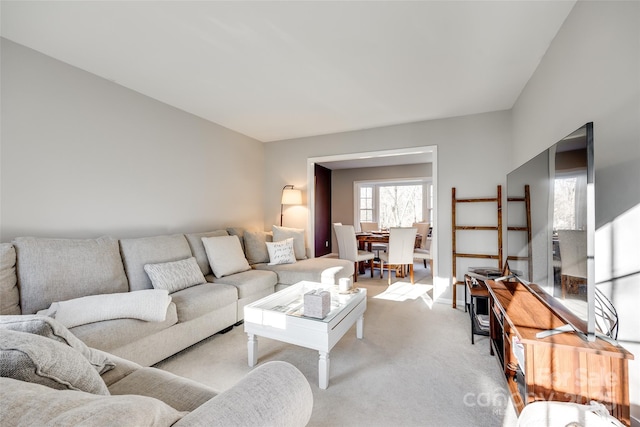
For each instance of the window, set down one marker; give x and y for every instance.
(366, 204)
(394, 203)
(570, 197)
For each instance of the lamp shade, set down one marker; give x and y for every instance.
(291, 197)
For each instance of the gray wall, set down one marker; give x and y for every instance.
(82, 156)
(472, 155)
(591, 72)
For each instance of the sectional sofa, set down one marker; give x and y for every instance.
(102, 289)
(135, 302)
(50, 377)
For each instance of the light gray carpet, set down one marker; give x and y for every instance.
(416, 365)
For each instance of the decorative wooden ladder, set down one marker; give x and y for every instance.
(455, 228)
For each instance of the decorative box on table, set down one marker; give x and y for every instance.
(317, 303)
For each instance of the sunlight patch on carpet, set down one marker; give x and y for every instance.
(403, 291)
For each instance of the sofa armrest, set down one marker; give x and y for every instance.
(122, 369)
(275, 393)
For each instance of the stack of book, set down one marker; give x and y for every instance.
(483, 321)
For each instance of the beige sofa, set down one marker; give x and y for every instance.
(38, 272)
(49, 377)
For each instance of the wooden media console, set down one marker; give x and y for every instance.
(562, 367)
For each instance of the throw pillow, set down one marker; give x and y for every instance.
(9, 294)
(255, 246)
(197, 248)
(281, 252)
(282, 233)
(175, 275)
(225, 255)
(37, 359)
(51, 328)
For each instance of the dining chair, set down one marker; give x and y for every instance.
(400, 253)
(348, 248)
(424, 251)
(573, 255)
(368, 227)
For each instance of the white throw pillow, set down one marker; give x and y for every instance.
(225, 255)
(282, 233)
(281, 252)
(175, 275)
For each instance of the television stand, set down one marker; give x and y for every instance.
(559, 330)
(563, 366)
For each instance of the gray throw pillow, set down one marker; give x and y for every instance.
(51, 328)
(255, 246)
(174, 276)
(9, 294)
(36, 359)
(283, 233)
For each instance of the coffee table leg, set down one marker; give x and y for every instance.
(252, 348)
(323, 370)
(360, 327)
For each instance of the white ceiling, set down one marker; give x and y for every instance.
(277, 70)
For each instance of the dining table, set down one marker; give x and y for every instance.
(366, 239)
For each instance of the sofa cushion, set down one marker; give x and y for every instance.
(237, 231)
(197, 247)
(299, 246)
(37, 359)
(178, 392)
(323, 270)
(60, 269)
(50, 328)
(151, 250)
(251, 282)
(149, 305)
(202, 299)
(35, 405)
(175, 275)
(112, 334)
(225, 255)
(281, 252)
(9, 294)
(255, 246)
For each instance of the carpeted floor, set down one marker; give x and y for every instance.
(416, 365)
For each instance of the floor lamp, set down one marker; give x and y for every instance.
(289, 197)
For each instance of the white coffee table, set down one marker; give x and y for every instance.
(280, 316)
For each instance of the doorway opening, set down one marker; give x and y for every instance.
(397, 157)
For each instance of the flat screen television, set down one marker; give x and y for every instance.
(556, 262)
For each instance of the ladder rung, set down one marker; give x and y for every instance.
(485, 256)
(483, 199)
(476, 227)
(517, 229)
